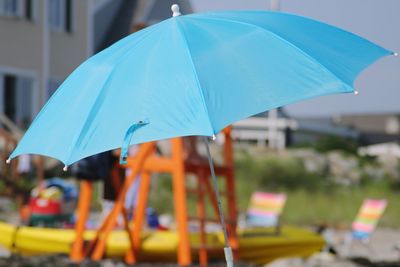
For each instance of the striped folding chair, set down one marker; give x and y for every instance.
(364, 225)
(367, 218)
(265, 209)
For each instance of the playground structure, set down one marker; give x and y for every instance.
(133, 244)
(259, 245)
(145, 163)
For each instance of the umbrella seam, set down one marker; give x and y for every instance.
(284, 40)
(98, 95)
(264, 12)
(194, 70)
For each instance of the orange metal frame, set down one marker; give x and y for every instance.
(144, 163)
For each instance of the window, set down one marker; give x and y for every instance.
(68, 15)
(17, 8)
(10, 8)
(29, 15)
(17, 98)
(61, 15)
(9, 96)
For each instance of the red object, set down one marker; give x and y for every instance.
(162, 228)
(42, 206)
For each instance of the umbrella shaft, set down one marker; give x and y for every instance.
(216, 190)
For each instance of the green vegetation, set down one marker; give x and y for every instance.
(332, 142)
(340, 206)
(274, 173)
(335, 205)
(328, 143)
(313, 198)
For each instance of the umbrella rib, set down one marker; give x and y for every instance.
(194, 70)
(284, 40)
(97, 103)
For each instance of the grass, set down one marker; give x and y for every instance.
(338, 207)
(313, 199)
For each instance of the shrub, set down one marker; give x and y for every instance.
(332, 142)
(273, 173)
(287, 173)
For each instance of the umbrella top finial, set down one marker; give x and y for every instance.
(175, 10)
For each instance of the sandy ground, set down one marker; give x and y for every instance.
(382, 250)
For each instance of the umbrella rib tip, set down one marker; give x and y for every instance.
(395, 54)
(8, 161)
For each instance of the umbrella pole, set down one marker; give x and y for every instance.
(227, 249)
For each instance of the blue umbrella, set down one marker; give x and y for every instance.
(194, 75)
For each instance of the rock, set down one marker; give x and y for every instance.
(344, 168)
(314, 162)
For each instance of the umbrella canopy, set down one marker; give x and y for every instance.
(194, 75)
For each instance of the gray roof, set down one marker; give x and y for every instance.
(388, 123)
(325, 126)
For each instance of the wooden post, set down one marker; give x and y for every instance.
(109, 222)
(179, 190)
(139, 215)
(85, 195)
(130, 257)
(99, 249)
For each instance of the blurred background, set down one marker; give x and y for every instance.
(327, 155)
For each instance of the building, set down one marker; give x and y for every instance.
(373, 128)
(310, 130)
(278, 130)
(38, 49)
(42, 41)
(270, 129)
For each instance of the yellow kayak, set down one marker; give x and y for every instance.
(255, 245)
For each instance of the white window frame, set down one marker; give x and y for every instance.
(20, 111)
(58, 23)
(27, 74)
(23, 109)
(6, 9)
(19, 12)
